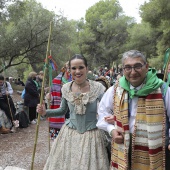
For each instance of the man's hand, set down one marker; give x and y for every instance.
(117, 136)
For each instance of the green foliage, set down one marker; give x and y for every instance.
(151, 12)
(142, 38)
(156, 62)
(24, 36)
(24, 31)
(26, 73)
(104, 33)
(156, 13)
(101, 37)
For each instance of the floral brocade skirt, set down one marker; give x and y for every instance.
(74, 151)
(53, 133)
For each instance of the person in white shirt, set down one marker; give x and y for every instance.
(135, 112)
(6, 102)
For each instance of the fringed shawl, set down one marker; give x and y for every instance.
(148, 139)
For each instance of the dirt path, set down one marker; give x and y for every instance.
(16, 148)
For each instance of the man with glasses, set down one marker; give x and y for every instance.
(134, 111)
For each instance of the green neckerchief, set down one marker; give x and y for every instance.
(167, 83)
(35, 83)
(152, 82)
(168, 79)
(64, 80)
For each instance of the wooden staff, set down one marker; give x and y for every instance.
(10, 110)
(166, 62)
(112, 70)
(166, 70)
(42, 95)
(49, 84)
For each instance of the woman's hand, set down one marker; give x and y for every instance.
(109, 119)
(41, 109)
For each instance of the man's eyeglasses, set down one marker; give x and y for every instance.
(136, 67)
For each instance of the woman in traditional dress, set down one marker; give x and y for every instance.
(79, 145)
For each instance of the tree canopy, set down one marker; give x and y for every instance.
(105, 32)
(102, 36)
(24, 34)
(156, 14)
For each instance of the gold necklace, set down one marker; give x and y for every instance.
(79, 85)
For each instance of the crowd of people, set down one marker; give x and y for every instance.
(104, 124)
(32, 89)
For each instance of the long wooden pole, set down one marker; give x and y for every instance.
(166, 69)
(42, 95)
(49, 84)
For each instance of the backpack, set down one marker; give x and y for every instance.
(23, 94)
(23, 119)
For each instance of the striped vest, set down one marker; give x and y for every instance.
(148, 138)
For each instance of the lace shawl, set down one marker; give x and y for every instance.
(80, 100)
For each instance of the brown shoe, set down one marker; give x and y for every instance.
(3, 130)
